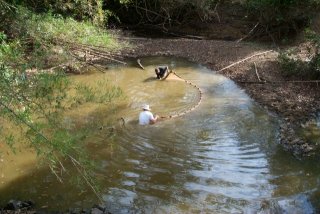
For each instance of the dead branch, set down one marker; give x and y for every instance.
(248, 33)
(87, 62)
(97, 53)
(139, 63)
(55, 67)
(91, 47)
(104, 56)
(92, 50)
(150, 11)
(215, 11)
(243, 60)
(255, 68)
(57, 176)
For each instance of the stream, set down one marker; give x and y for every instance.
(222, 157)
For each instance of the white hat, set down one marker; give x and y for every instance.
(146, 107)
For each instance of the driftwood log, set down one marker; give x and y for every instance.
(139, 63)
(243, 60)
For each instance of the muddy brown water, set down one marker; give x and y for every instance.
(223, 157)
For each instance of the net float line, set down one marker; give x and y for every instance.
(190, 109)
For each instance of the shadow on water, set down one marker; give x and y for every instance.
(150, 79)
(223, 157)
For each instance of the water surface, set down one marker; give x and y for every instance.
(223, 157)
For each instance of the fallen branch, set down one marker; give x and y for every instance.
(91, 47)
(248, 33)
(139, 63)
(255, 68)
(91, 50)
(245, 59)
(87, 62)
(150, 11)
(55, 67)
(184, 36)
(97, 53)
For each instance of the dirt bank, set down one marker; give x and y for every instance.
(294, 102)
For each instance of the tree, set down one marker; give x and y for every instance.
(34, 96)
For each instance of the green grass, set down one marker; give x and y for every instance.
(57, 28)
(44, 40)
(46, 29)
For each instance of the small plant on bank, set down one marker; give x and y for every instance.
(314, 64)
(306, 67)
(291, 66)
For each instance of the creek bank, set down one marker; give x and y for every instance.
(17, 206)
(28, 207)
(295, 102)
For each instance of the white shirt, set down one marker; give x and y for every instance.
(145, 117)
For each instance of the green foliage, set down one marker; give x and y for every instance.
(295, 67)
(102, 94)
(282, 17)
(52, 28)
(45, 39)
(307, 67)
(3, 37)
(35, 106)
(11, 52)
(90, 10)
(33, 102)
(274, 16)
(291, 66)
(314, 38)
(9, 139)
(314, 67)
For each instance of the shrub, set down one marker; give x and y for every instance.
(281, 18)
(90, 10)
(314, 67)
(161, 12)
(294, 67)
(291, 66)
(33, 105)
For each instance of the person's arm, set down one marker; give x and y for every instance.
(157, 73)
(153, 120)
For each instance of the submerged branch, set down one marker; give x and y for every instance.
(139, 63)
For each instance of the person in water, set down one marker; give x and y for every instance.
(162, 72)
(146, 117)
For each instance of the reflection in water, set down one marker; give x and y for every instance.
(222, 157)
